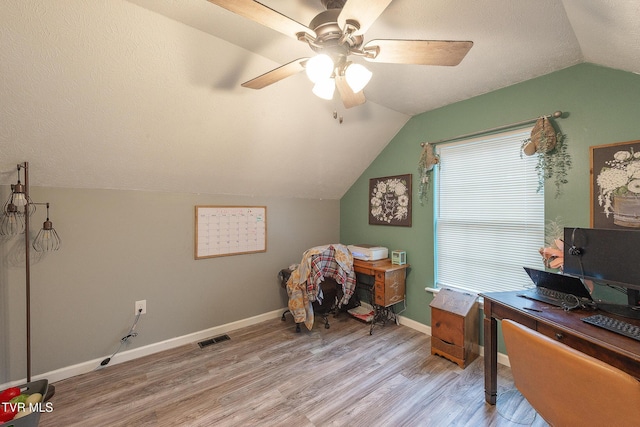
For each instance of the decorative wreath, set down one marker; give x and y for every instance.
(543, 138)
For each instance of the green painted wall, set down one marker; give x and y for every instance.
(601, 106)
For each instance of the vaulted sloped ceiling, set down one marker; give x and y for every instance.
(145, 94)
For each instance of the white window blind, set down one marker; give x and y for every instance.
(489, 215)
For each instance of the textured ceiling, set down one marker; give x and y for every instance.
(122, 94)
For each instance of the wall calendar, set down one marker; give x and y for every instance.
(230, 230)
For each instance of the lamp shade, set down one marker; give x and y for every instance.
(47, 239)
(357, 76)
(12, 221)
(325, 88)
(319, 68)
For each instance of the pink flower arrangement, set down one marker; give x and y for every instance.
(553, 256)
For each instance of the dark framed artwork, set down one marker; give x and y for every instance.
(390, 200)
(615, 185)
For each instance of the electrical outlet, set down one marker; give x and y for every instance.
(142, 304)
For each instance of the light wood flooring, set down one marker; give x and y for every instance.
(269, 375)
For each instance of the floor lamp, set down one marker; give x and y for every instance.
(16, 216)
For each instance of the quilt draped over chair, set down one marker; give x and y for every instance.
(305, 284)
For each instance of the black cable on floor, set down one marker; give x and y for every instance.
(123, 340)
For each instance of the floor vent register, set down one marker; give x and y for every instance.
(214, 340)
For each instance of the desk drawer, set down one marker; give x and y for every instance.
(557, 334)
(365, 270)
(577, 343)
(386, 295)
(501, 312)
(379, 293)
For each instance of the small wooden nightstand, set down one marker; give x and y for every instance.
(455, 326)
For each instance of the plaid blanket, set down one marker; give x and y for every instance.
(325, 265)
(304, 285)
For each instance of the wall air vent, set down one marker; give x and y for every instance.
(214, 340)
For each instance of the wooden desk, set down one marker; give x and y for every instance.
(567, 327)
(388, 288)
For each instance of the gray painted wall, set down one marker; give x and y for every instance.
(123, 246)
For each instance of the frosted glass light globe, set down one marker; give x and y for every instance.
(357, 77)
(320, 67)
(325, 88)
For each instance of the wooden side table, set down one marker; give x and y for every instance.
(388, 287)
(455, 326)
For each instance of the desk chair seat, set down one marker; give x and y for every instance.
(567, 387)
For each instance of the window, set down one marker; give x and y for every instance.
(489, 215)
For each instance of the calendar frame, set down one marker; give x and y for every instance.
(225, 218)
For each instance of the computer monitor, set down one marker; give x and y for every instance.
(606, 255)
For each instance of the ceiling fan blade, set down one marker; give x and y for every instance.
(363, 11)
(264, 15)
(349, 97)
(422, 52)
(276, 74)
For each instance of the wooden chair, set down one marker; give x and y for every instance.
(567, 387)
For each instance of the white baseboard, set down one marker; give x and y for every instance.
(503, 359)
(415, 325)
(91, 365)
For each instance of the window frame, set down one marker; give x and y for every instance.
(515, 256)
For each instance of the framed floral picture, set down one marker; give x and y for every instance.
(390, 200)
(615, 185)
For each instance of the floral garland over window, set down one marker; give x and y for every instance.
(554, 160)
(428, 159)
(390, 200)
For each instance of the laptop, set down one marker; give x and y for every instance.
(557, 289)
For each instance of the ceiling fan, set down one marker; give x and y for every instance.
(337, 33)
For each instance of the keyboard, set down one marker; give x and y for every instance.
(614, 325)
(551, 294)
(556, 298)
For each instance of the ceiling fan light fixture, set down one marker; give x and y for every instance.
(357, 76)
(319, 68)
(325, 88)
(339, 32)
